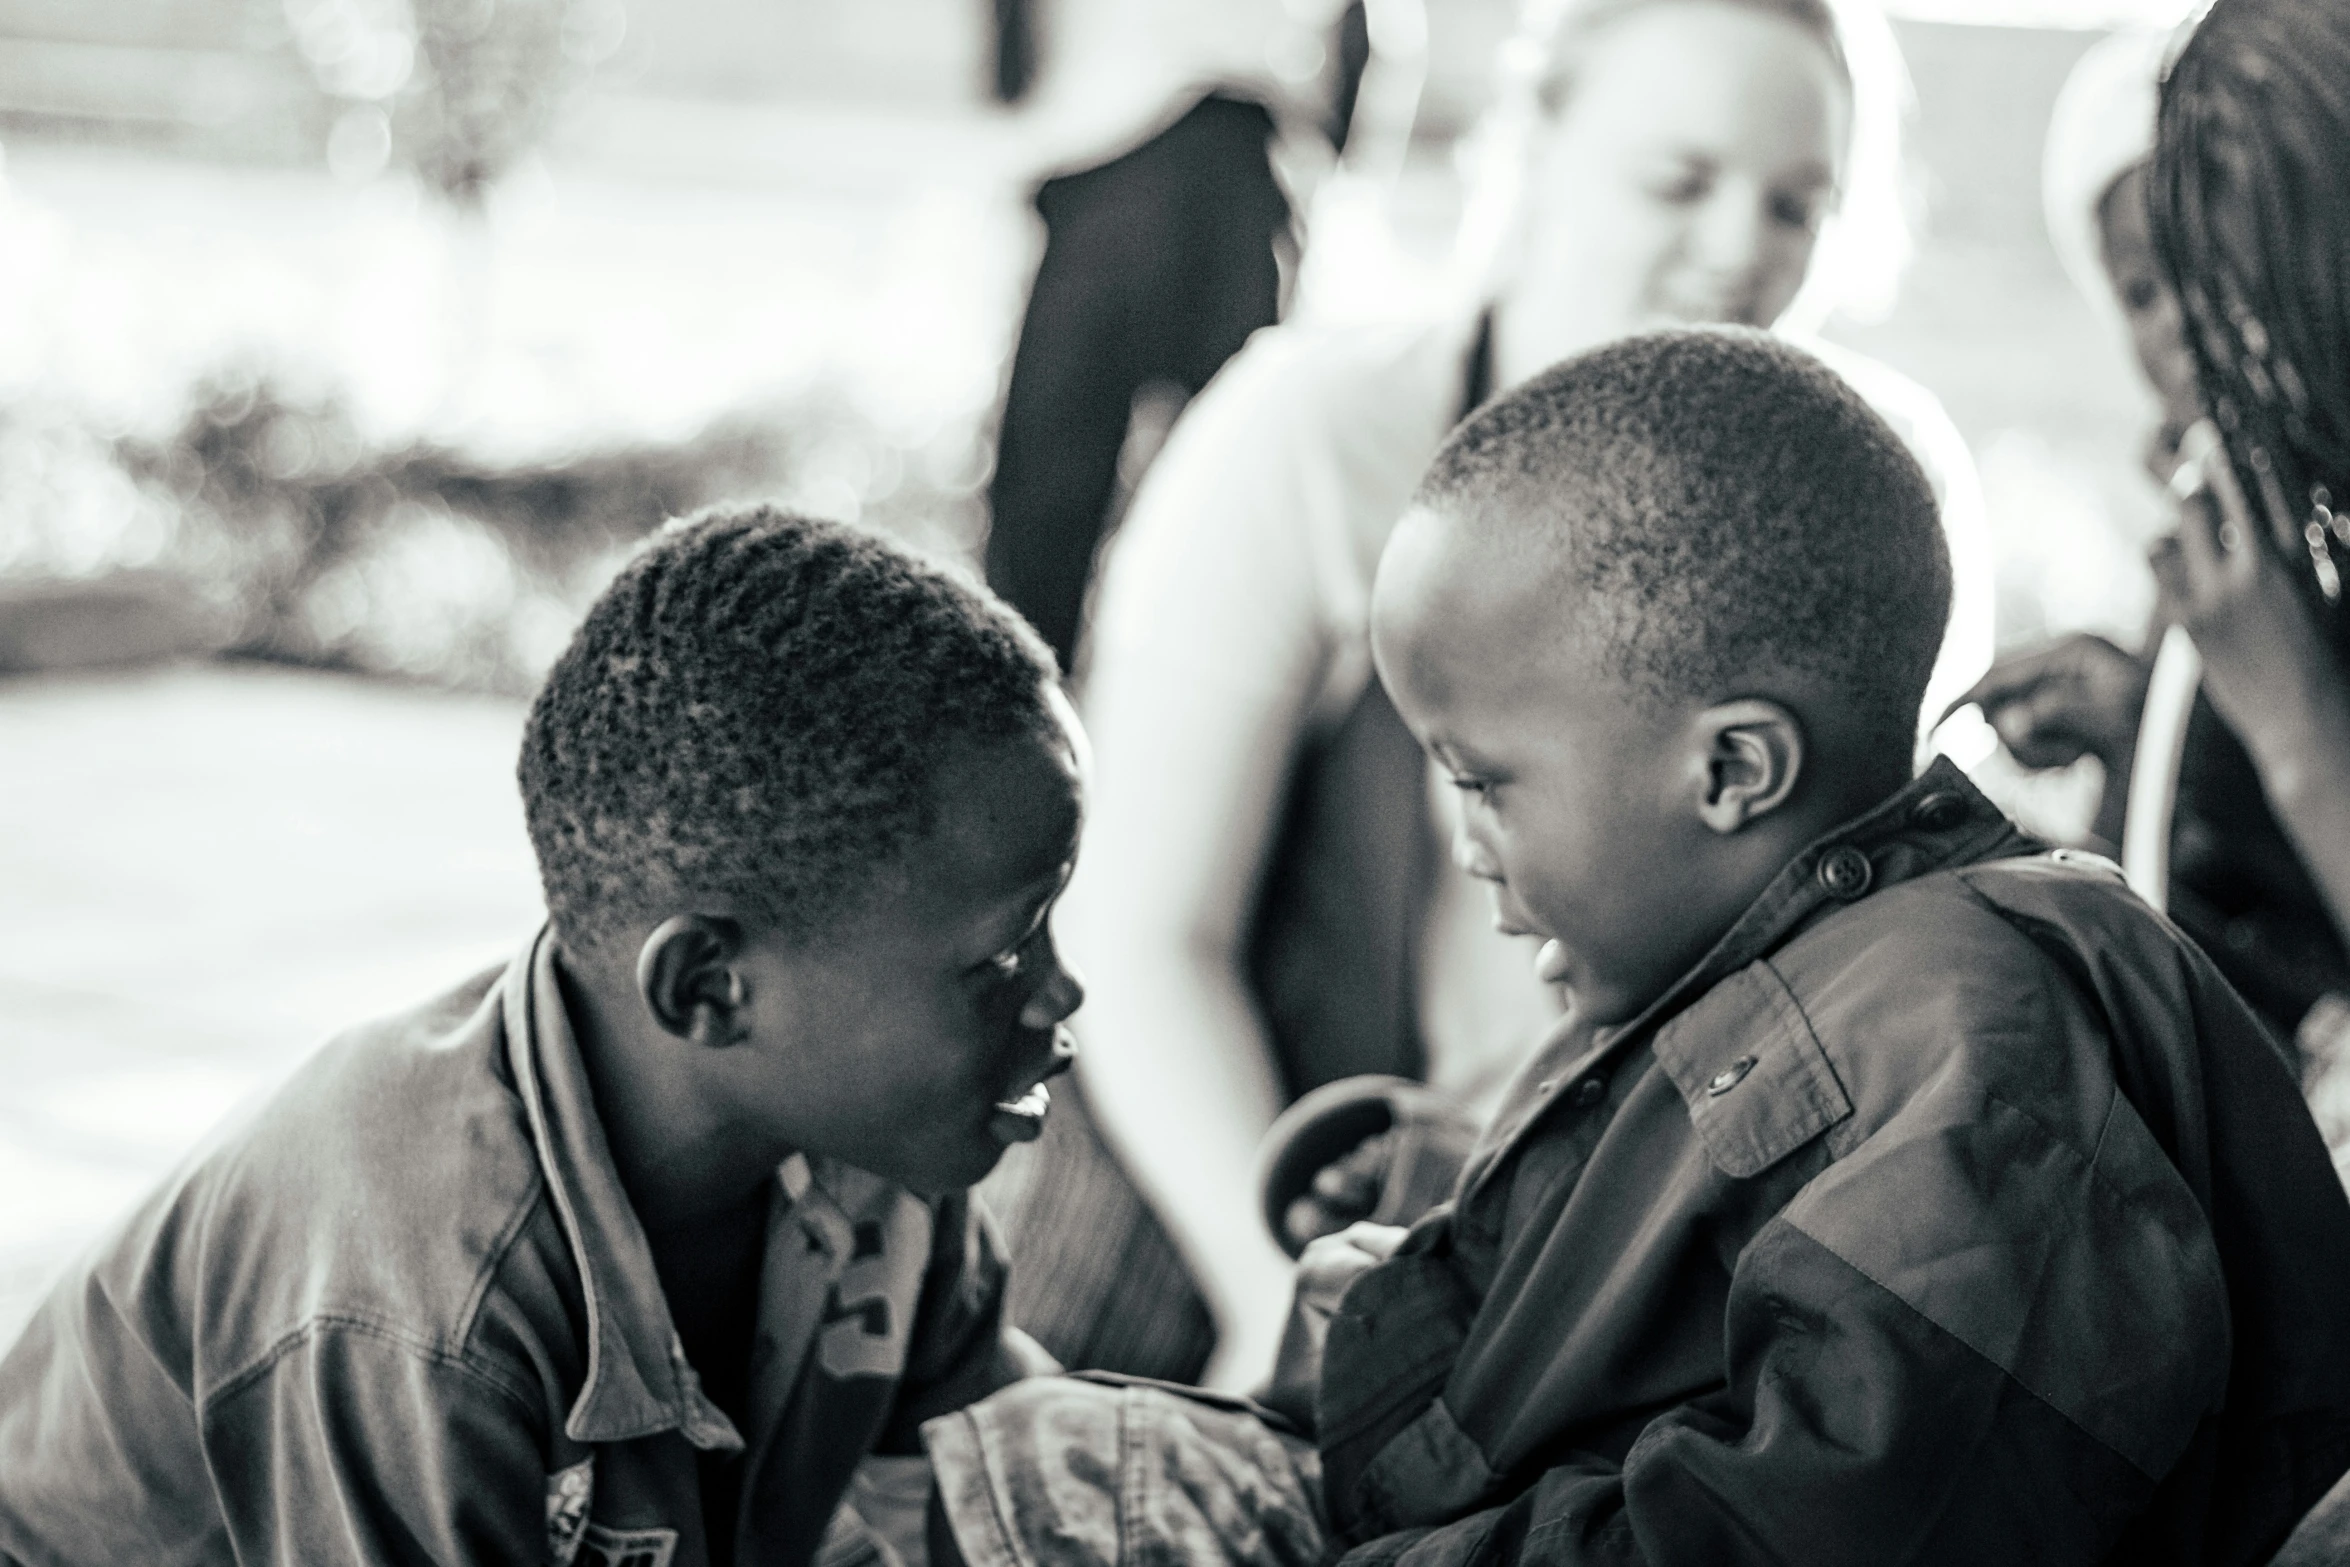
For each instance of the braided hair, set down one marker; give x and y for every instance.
(2250, 199)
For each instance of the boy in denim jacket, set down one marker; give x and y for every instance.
(629, 1251)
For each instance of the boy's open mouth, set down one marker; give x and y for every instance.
(1021, 1120)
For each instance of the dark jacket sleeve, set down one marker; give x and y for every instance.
(1967, 1344)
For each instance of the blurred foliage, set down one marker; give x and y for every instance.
(458, 90)
(492, 75)
(289, 538)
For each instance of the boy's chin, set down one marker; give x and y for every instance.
(941, 1177)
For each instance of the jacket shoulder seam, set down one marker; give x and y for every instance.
(417, 1344)
(494, 1261)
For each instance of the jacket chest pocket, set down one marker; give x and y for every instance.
(1747, 1064)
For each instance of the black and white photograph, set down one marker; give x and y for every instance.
(1174, 783)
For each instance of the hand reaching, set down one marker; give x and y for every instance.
(1345, 1192)
(2076, 697)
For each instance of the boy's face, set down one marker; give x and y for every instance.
(1574, 796)
(903, 1038)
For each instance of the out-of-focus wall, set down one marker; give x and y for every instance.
(918, 53)
(2046, 395)
(215, 74)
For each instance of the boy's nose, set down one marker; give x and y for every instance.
(1473, 857)
(1054, 1000)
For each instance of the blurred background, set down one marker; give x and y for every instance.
(346, 345)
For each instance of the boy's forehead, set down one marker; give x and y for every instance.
(1452, 589)
(1011, 799)
(1434, 570)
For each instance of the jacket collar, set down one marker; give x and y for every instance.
(638, 1381)
(1940, 819)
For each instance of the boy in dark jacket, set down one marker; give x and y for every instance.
(1893, 1193)
(629, 1252)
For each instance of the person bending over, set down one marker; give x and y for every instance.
(630, 1250)
(1892, 1192)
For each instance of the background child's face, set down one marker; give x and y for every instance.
(2158, 328)
(1574, 802)
(896, 1039)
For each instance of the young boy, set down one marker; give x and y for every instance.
(1893, 1192)
(629, 1252)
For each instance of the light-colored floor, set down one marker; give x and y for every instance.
(206, 871)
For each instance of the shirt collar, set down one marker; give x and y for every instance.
(1939, 819)
(638, 1381)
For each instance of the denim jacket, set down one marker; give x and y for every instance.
(403, 1313)
(1952, 1210)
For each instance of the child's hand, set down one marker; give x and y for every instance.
(1345, 1192)
(1323, 1273)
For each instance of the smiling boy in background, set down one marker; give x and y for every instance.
(1892, 1192)
(630, 1251)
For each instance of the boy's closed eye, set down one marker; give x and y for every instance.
(1009, 962)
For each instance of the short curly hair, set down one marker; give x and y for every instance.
(1726, 507)
(753, 713)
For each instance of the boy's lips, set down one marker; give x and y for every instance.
(1019, 1118)
(1550, 959)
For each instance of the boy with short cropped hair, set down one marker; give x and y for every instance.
(1894, 1192)
(629, 1252)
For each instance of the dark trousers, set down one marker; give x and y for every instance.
(1157, 266)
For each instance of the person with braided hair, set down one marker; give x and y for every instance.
(2223, 236)
(2250, 203)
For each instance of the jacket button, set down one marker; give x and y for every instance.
(1939, 811)
(1589, 1092)
(1731, 1076)
(1846, 872)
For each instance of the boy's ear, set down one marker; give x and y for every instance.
(1753, 754)
(687, 976)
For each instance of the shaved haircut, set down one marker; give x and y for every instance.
(1713, 509)
(754, 713)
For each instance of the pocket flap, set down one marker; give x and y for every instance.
(1747, 1064)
